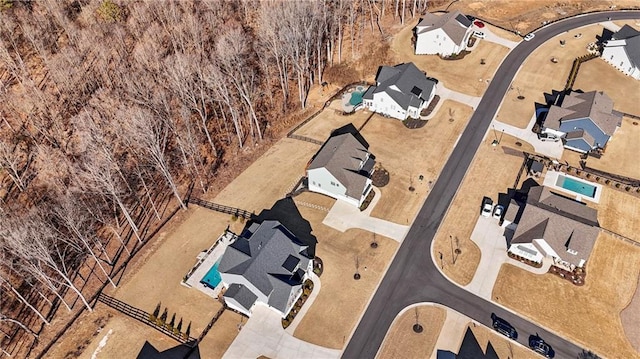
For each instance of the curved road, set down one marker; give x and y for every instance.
(413, 277)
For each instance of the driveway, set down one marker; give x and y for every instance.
(547, 148)
(263, 335)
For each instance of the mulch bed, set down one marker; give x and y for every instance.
(380, 177)
(427, 111)
(412, 123)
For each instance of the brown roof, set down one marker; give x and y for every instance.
(562, 222)
(595, 105)
(454, 24)
(343, 156)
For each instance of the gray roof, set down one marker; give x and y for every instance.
(241, 294)
(588, 115)
(625, 32)
(562, 222)
(404, 83)
(454, 24)
(344, 157)
(260, 255)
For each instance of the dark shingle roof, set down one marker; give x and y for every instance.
(404, 83)
(148, 351)
(625, 32)
(454, 24)
(241, 294)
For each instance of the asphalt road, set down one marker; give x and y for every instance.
(413, 276)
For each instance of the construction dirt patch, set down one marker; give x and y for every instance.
(341, 299)
(466, 75)
(493, 170)
(613, 272)
(413, 157)
(402, 341)
(526, 16)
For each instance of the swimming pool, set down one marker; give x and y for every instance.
(212, 278)
(356, 96)
(577, 186)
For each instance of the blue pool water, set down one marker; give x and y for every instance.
(356, 98)
(212, 278)
(573, 185)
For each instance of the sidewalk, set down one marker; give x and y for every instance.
(344, 216)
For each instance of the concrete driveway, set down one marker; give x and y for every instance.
(546, 148)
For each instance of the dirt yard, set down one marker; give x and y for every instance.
(525, 16)
(402, 342)
(619, 212)
(407, 154)
(572, 311)
(538, 75)
(492, 171)
(465, 75)
(341, 299)
(597, 75)
(320, 127)
(622, 150)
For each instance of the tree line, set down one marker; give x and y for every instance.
(109, 108)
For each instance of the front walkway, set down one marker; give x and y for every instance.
(488, 235)
(263, 335)
(344, 216)
(546, 148)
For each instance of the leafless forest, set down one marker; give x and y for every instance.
(110, 110)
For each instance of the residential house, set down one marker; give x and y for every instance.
(401, 91)
(622, 51)
(342, 168)
(446, 34)
(268, 263)
(551, 225)
(584, 121)
(182, 351)
(469, 349)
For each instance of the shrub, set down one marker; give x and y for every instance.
(234, 217)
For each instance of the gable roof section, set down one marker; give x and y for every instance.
(632, 48)
(625, 32)
(404, 83)
(241, 294)
(595, 107)
(343, 156)
(454, 24)
(557, 219)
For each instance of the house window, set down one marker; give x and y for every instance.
(621, 63)
(611, 57)
(572, 251)
(333, 183)
(314, 183)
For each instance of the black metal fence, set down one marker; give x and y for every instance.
(221, 208)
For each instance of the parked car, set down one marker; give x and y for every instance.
(479, 34)
(487, 206)
(529, 36)
(498, 211)
(479, 24)
(540, 346)
(503, 327)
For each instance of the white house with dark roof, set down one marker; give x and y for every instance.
(554, 226)
(267, 264)
(342, 169)
(584, 121)
(445, 34)
(623, 51)
(401, 91)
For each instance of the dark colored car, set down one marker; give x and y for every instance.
(503, 327)
(540, 346)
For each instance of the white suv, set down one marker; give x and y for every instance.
(487, 207)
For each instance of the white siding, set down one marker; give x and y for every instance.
(383, 103)
(615, 54)
(436, 42)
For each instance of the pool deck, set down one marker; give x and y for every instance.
(211, 256)
(551, 178)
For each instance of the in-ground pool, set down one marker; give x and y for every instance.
(212, 278)
(356, 96)
(576, 185)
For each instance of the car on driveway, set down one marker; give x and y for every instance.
(498, 211)
(487, 206)
(529, 36)
(540, 346)
(479, 24)
(503, 327)
(479, 34)
(548, 137)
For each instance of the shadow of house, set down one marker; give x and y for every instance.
(183, 351)
(351, 129)
(605, 36)
(469, 349)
